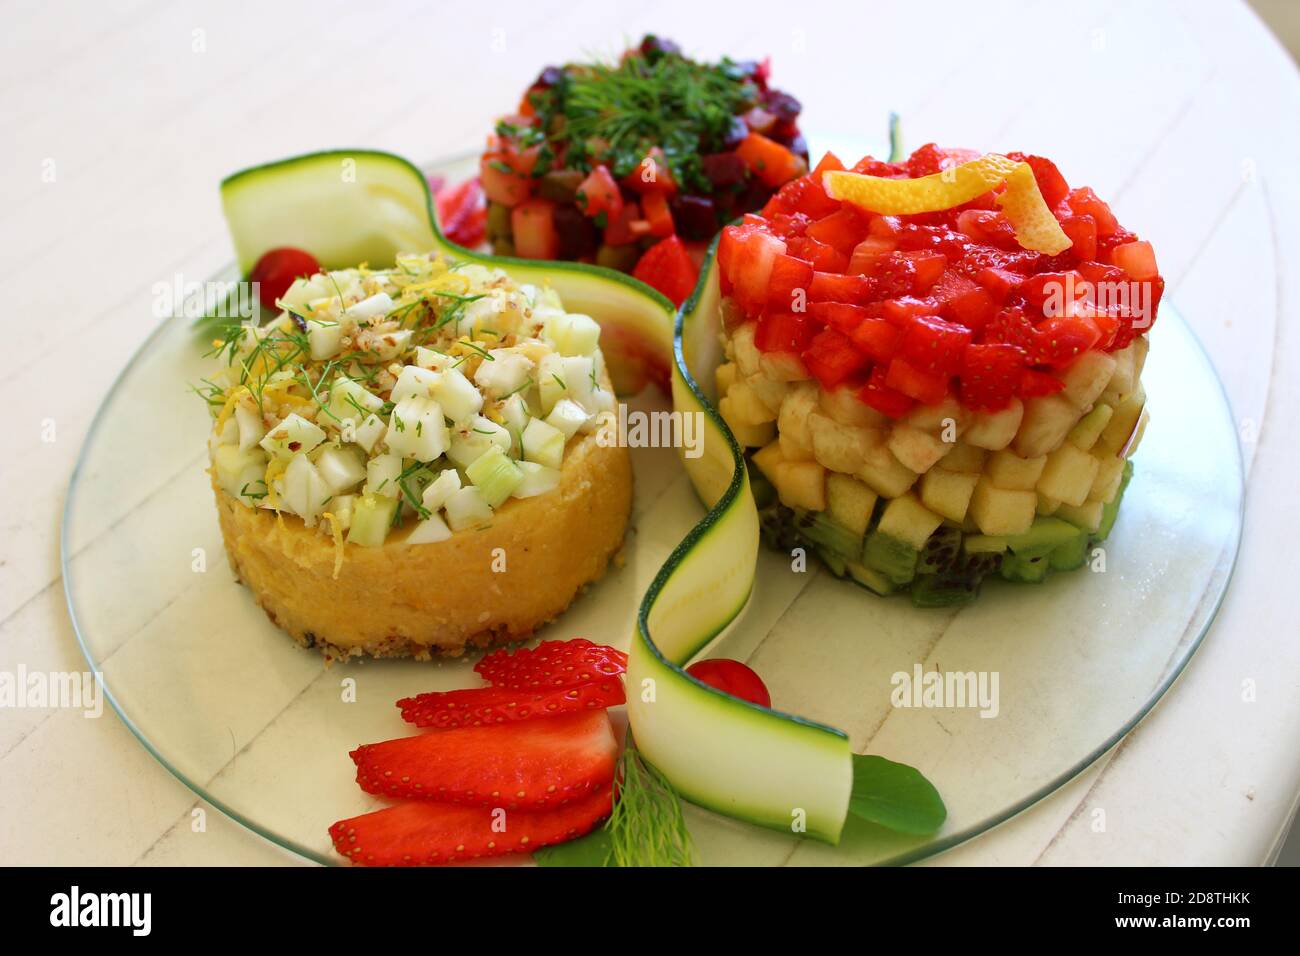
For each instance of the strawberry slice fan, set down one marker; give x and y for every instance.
(522, 763)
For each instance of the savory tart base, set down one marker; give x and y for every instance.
(491, 585)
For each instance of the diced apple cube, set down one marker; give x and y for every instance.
(1068, 475)
(801, 484)
(1122, 423)
(744, 407)
(1087, 377)
(947, 492)
(792, 449)
(783, 367)
(886, 474)
(965, 457)
(999, 511)
(995, 430)
(769, 391)
(1047, 506)
(768, 459)
(1085, 434)
(906, 519)
(744, 351)
(1110, 473)
(842, 404)
(1008, 470)
(839, 447)
(935, 418)
(1046, 423)
(295, 435)
(850, 502)
(1124, 379)
(795, 409)
(724, 377)
(1086, 516)
(1139, 430)
(753, 436)
(918, 450)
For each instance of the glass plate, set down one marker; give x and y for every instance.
(261, 729)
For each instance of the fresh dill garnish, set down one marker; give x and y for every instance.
(614, 114)
(646, 827)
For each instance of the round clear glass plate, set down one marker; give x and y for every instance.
(261, 729)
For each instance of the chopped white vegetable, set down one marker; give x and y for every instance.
(440, 489)
(324, 339)
(538, 479)
(543, 444)
(457, 395)
(474, 438)
(305, 491)
(416, 429)
(414, 381)
(381, 475)
(505, 374)
(251, 427)
(572, 333)
(295, 435)
(429, 531)
(343, 468)
(466, 509)
(349, 399)
(369, 432)
(371, 308)
(568, 416)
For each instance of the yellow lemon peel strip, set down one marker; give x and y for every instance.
(1036, 228)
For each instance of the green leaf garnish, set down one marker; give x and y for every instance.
(895, 796)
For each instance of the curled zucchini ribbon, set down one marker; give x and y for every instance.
(746, 761)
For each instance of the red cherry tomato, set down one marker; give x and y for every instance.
(733, 677)
(277, 269)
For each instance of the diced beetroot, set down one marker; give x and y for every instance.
(882, 398)
(841, 230)
(933, 345)
(831, 358)
(626, 227)
(830, 287)
(532, 224)
(785, 332)
(877, 339)
(928, 388)
(789, 276)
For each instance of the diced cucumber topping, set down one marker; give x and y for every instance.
(379, 304)
(543, 444)
(471, 441)
(416, 429)
(568, 416)
(372, 515)
(292, 436)
(382, 472)
(538, 479)
(506, 373)
(432, 359)
(251, 428)
(350, 400)
(551, 385)
(572, 333)
(370, 432)
(495, 475)
(240, 473)
(467, 509)
(392, 344)
(305, 492)
(457, 395)
(440, 489)
(343, 468)
(429, 531)
(324, 338)
(414, 382)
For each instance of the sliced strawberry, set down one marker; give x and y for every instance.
(551, 664)
(882, 398)
(485, 706)
(926, 387)
(1060, 341)
(933, 345)
(528, 763)
(428, 833)
(1035, 384)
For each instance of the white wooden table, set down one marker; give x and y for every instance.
(121, 117)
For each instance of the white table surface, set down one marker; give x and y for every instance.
(120, 118)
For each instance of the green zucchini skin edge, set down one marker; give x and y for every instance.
(756, 764)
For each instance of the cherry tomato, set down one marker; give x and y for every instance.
(735, 678)
(277, 269)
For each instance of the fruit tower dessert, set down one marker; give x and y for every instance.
(936, 364)
(618, 164)
(406, 460)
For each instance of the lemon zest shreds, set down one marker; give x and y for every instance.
(1036, 228)
(336, 530)
(229, 408)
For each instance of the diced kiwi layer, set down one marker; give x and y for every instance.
(951, 565)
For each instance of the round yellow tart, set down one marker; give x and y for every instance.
(410, 462)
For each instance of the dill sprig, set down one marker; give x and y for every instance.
(614, 114)
(646, 827)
